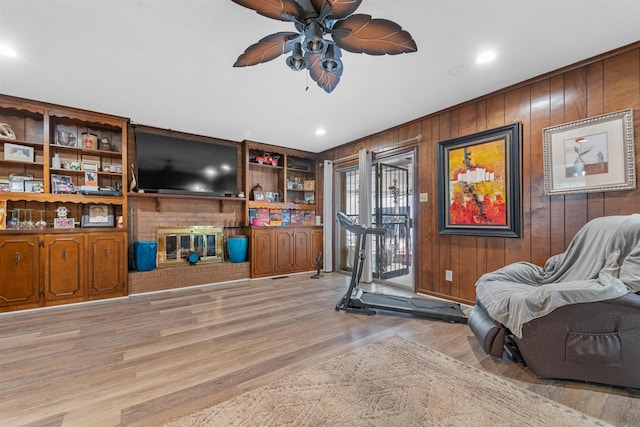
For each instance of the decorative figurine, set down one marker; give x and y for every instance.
(6, 132)
(62, 212)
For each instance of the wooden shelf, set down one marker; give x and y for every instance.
(264, 165)
(59, 198)
(61, 171)
(159, 197)
(277, 205)
(22, 142)
(293, 166)
(184, 196)
(84, 151)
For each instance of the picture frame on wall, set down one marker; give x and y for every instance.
(479, 183)
(590, 155)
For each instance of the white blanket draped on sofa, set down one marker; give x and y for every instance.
(602, 262)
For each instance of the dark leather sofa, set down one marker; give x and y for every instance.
(595, 341)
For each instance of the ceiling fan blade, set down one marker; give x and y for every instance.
(363, 34)
(266, 49)
(327, 81)
(341, 8)
(276, 9)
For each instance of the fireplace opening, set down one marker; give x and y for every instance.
(175, 244)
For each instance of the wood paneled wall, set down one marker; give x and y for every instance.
(608, 83)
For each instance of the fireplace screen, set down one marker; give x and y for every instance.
(175, 244)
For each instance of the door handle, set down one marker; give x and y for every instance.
(64, 254)
(16, 257)
(106, 252)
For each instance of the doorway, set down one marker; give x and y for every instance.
(392, 207)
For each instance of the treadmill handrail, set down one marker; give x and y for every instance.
(357, 228)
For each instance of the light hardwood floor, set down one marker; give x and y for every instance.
(151, 358)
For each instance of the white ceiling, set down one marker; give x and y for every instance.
(168, 63)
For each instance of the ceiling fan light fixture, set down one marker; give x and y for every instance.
(314, 20)
(313, 41)
(297, 60)
(330, 63)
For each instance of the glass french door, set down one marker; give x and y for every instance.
(348, 202)
(392, 211)
(392, 201)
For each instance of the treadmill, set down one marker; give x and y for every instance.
(357, 300)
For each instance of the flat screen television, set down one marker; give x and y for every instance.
(180, 165)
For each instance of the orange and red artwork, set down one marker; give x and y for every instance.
(477, 184)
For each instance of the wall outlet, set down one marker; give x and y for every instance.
(424, 197)
(448, 275)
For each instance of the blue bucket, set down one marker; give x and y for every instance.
(237, 246)
(145, 253)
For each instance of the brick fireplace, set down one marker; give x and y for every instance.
(147, 215)
(176, 243)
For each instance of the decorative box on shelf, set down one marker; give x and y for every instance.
(63, 223)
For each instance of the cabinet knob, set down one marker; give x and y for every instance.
(16, 256)
(64, 254)
(106, 252)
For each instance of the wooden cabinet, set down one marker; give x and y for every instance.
(302, 249)
(19, 272)
(286, 201)
(317, 241)
(64, 280)
(51, 268)
(282, 250)
(60, 157)
(107, 265)
(262, 253)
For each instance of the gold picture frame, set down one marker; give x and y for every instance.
(590, 155)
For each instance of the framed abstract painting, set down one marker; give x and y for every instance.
(479, 183)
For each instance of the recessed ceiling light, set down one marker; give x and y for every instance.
(485, 57)
(320, 131)
(6, 50)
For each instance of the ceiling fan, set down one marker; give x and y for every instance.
(313, 19)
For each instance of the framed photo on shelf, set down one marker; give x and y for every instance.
(310, 197)
(97, 215)
(594, 154)
(310, 185)
(91, 178)
(16, 182)
(62, 184)
(479, 183)
(34, 186)
(21, 153)
(90, 165)
(64, 223)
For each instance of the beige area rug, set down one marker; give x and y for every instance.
(395, 383)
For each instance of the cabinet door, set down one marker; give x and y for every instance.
(283, 250)
(262, 252)
(302, 249)
(19, 272)
(107, 270)
(64, 268)
(316, 246)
